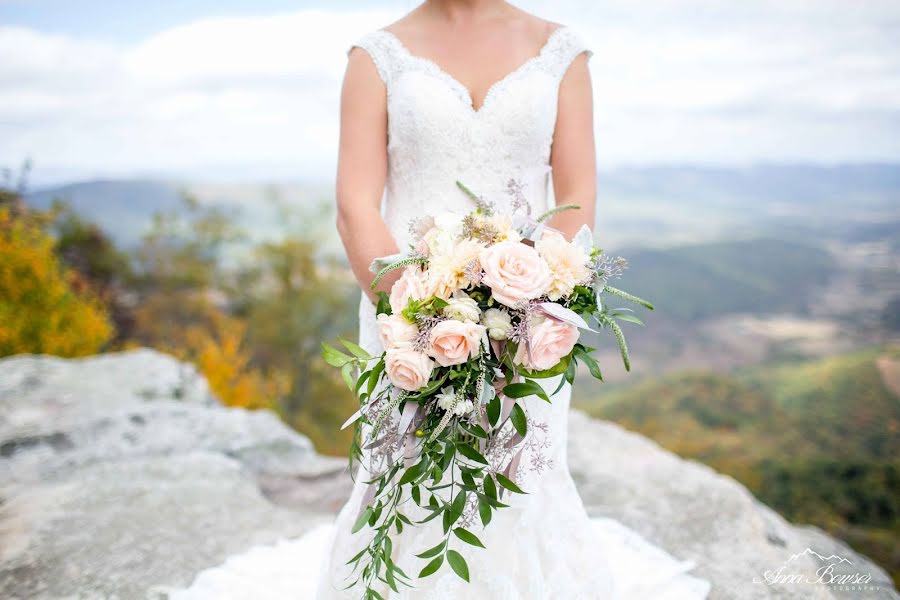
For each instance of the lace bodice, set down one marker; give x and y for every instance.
(436, 136)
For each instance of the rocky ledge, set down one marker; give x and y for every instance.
(121, 476)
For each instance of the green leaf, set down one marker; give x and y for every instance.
(431, 567)
(490, 488)
(375, 376)
(383, 305)
(356, 350)
(361, 380)
(357, 556)
(592, 365)
(524, 389)
(560, 367)
(447, 520)
(433, 551)
(467, 536)
(493, 410)
(508, 484)
(520, 422)
(389, 578)
(458, 563)
(484, 511)
(569, 375)
(473, 429)
(362, 520)
(471, 453)
(333, 356)
(458, 506)
(629, 318)
(347, 374)
(413, 472)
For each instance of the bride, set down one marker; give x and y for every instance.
(482, 92)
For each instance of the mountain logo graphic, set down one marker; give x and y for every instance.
(811, 552)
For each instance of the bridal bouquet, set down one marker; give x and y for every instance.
(487, 305)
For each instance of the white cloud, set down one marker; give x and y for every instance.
(674, 81)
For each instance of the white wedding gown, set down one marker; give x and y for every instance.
(544, 546)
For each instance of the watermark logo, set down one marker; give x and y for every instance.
(835, 571)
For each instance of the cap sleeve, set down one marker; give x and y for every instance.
(568, 45)
(378, 46)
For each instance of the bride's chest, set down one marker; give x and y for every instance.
(432, 115)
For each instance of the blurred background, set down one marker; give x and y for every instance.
(168, 182)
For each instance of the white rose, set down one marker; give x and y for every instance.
(407, 369)
(514, 272)
(395, 331)
(462, 308)
(498, 323)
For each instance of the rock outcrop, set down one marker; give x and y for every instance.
(123, 477)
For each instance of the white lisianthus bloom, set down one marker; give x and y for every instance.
(498, 323)
(464, 407)
(447, 398)
(462, 308)
(441, 238)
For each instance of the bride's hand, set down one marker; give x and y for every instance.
(362, 170)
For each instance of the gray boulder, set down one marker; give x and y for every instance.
(121, 476)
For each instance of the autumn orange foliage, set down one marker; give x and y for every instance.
(43, 307)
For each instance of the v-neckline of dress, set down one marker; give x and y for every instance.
(465, 92)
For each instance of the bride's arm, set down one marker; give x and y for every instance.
(572, 158)
(361, 171)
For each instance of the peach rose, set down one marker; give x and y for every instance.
(395, 331)
(550, 341)
(455, 342)
(514, 272)
(407, 369)
(567, 262)
(412, 284)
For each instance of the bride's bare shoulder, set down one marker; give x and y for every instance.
(538, 26)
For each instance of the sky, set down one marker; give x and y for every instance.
(248, 90)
